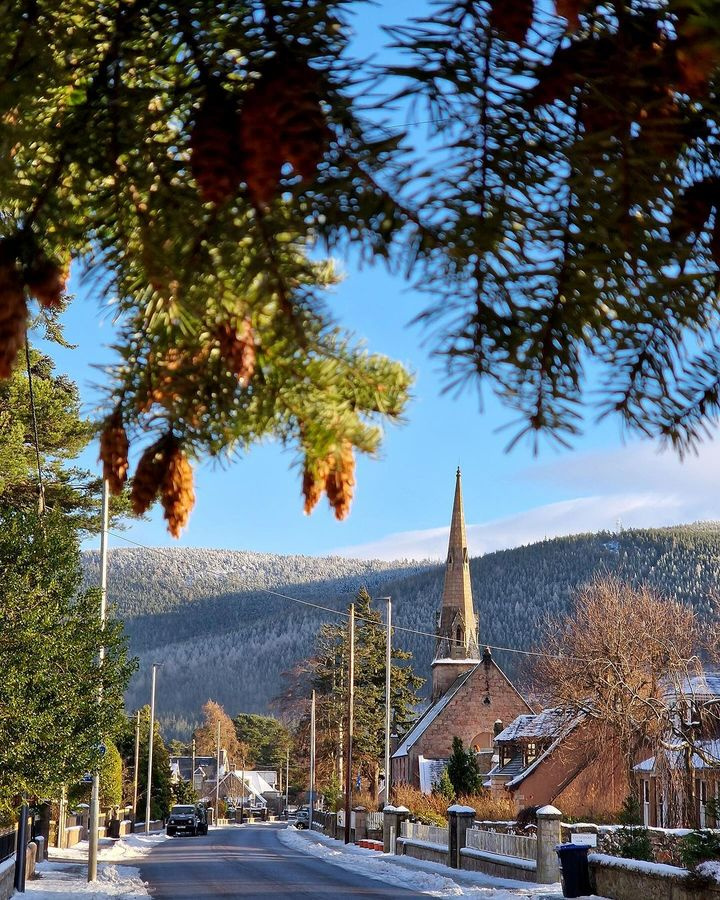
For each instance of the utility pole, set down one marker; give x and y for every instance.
(350, 713)
(312, 760)
(192, 774)
(95, 796)
(388, 671)
(287, 776)
(217, 776)
(137, 767)
(150, 748)
(242, 800)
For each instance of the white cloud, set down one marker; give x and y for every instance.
(635, 484)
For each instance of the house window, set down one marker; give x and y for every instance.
(531, 752)
(504, 756)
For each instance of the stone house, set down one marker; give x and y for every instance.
(561, 758)
(470, 692)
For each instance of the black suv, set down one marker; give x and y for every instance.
(184, 817)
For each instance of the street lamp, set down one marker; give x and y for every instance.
(155, 667)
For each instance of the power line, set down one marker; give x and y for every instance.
(343, 614)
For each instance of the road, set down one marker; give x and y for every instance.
(251, 862)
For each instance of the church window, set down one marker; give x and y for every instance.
(459, 635)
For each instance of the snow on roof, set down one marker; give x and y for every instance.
(707, 757)
(546, 724)
(571, 722)
(705, 685)
(429, 716)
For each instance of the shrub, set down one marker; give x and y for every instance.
(462, 769)
(699, 846)
(634, 843)
(527, 816)
(487, 806)
(631, 812)
(444, 787)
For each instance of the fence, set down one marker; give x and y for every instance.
(429, 834)
(514, 845)
(7, 843)
(374, 821)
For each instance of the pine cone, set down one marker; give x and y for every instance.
(237, 346)
(281, 122)
(341, 480)
(114, 453)
(315, 475)
(149, 476)
(512, 18)
(215, 155)
(46, 280)
(178, 497)
(302, 125)
(260, 140)
(13, 311)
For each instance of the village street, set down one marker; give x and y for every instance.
(259, 861)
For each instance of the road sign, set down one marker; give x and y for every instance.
(102, 749)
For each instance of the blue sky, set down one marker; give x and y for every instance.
(404, 498)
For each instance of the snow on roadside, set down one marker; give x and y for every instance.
(129, 847)
(64, 881)
(414, 874)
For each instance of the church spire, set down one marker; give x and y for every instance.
(457, 641)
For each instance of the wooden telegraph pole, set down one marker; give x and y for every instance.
(350, 711)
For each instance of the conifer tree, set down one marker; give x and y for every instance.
(462, 769)
(328, 675)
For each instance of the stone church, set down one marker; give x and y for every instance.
(472, 698)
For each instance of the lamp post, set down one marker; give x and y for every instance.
(155, 667)
(312, 761)
(388, 672)
(137, 768)
(95, 795)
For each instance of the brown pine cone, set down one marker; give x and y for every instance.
(260, 140)
(13, 313)
(215, 154)
(114, 453)
(149, 476)
(512, 18)
(237, 345)
(46, 280)
(178, 496)
(303, 129)
(341, 480)
(315, 474)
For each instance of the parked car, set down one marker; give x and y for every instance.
(203, 818)
(187, 818)
(302, 817)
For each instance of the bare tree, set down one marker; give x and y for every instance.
(631, 660)
(206, 734)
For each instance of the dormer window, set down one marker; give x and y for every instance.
(531, 753)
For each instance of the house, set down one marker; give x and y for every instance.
(562, 758)
(470, 692)
(679, 786)
(200, 769)
(248, 785)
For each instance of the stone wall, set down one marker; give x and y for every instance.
(665, 841)
(7, 877)
(629, 879)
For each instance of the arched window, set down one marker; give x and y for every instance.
(459, 634)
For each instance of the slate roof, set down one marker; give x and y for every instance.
(548, 724)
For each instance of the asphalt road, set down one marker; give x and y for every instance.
(251, 862)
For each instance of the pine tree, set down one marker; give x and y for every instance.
(329, 678)
(51, 723)
(462, 769)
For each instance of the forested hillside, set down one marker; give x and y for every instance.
(203, 614)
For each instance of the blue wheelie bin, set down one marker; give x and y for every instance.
(574, 868)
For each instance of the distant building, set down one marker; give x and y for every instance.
(204, 773)
(470, 692)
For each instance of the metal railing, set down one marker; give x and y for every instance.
(514, 845)
(431, 834)
(7, 843)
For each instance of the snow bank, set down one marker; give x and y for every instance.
(129, 847)
(64, 881)
(711, 869)
(414, 874)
